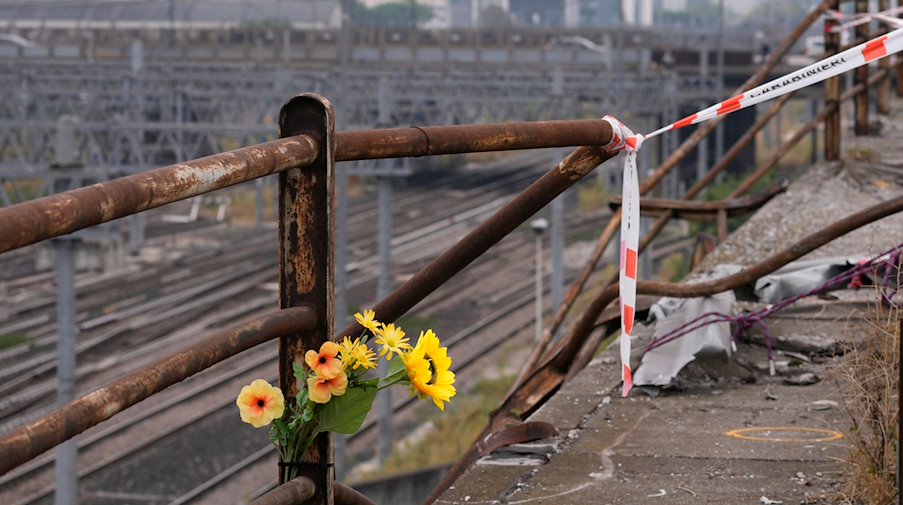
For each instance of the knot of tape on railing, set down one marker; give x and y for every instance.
(622, 137)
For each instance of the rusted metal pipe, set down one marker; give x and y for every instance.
(293, 492)
(432, 140)
(799, 135)
(832, 89)
(861, 76)
(66, 422)
(30, 222)
(702, 211)
(704, 129)
(748, 275)
(52, 216)
(579, 163)
(885, 64)
(345, 495)
(742, 143)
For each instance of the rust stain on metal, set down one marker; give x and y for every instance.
(298, 260)
(64, 423)
(702, 211)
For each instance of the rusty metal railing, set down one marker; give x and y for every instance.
(304, 158)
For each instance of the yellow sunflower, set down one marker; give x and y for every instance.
(392, 340)
(428, 369)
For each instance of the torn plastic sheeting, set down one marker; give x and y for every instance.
(799, 277)
(660, 365)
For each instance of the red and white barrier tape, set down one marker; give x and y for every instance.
(861, 19)
(623, 139)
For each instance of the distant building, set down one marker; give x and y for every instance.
(466, 13)
(165, 14)
(584, 13)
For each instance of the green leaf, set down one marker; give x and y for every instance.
(300, 374)
(301, 398)
(307, 415)
(345, 414)
(370, 383)
(396, 366)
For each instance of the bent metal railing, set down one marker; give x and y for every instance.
(304, 158)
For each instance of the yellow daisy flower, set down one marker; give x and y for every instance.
(428, 367)
(367, 321)
(346, 351)
(356, 355)
(260, 403)
(392, 340)
(364, 357)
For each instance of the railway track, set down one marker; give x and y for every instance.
(237, 280)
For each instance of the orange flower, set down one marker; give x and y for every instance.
(321, 389)
(325, 363)
(260, 403)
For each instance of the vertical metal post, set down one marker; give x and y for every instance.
(66, 454)
(64, 154)
(702, 158)
(899, 94)
(258, 192)
(539, 227)
(557, 279)
(341, 216)
(861, 76)
(702, 148)
(384, 284)
(538, 289)
(286, 45)
(832, 88)
(136, 235)
(306, 267)
(884, 64)
(383, 289)
(813, 111)
(719, 63)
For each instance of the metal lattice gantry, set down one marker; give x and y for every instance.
(116, 118)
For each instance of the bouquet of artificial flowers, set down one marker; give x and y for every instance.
(335, 392)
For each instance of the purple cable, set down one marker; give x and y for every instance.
(888, 288)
